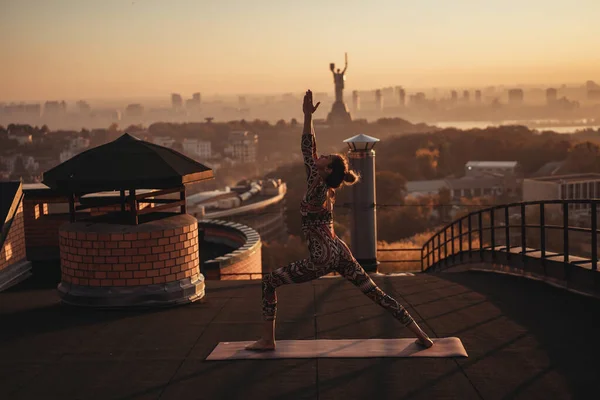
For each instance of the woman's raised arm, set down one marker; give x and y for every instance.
(308, 143)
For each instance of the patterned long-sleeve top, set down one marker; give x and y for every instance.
(314, 207)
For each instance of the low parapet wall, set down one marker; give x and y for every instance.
(242, 263)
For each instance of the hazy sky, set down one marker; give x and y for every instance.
(68, 49)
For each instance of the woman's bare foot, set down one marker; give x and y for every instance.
(427, 343)
(261, 345)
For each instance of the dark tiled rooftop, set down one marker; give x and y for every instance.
(525, 339)
(569, 178)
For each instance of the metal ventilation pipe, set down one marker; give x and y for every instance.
(361, 157)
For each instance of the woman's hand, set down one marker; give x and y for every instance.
(308, 107)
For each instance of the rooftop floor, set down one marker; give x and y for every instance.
(525, 339)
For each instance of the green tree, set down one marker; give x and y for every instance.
(584, 157)
(390, 187)
(135, 128)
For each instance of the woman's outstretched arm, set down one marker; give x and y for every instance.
(308, 143)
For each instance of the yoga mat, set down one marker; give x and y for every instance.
(345, 348)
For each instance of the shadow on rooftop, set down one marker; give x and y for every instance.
(564, 324)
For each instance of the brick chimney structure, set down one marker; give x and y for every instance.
(361, 157)
(138, 251)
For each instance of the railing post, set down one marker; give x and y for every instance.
(507, 232)
(452, 243)
(480, 222)
(460, 236)
(566, 238)
(523, 233)
(543, 236)
(446, 246)
(428, 254)
(439, 248)
(594, 237)
(469, 231)
(432, 251)
(493, 233)
(422, 259)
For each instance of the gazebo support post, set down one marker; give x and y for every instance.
(72, 207)
(182, 198)
(123, 201)
(133, 206)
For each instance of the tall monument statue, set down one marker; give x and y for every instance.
(338, 80)
(339, 112)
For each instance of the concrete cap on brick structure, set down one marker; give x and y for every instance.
(125, 163)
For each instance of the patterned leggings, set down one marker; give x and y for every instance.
(328, 253)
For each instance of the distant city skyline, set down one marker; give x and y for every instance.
(164, 98)
(137, 49)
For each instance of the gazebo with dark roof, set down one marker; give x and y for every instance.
(127, 164)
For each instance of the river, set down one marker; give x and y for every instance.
(540, 125)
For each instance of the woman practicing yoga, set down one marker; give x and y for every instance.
(328, 253)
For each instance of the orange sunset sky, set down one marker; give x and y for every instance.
(70, 49)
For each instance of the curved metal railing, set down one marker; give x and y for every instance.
(509, 232)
